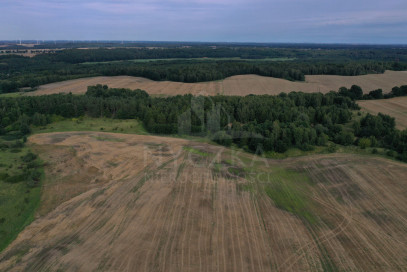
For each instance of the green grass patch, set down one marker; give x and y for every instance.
(380, 152)
(296, 152)
(19, 199)
(93, 124)
(197, 151)
(15, 94)
(290, 191)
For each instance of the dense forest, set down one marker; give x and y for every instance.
(338, 55)
(255, 123)
(195, 64)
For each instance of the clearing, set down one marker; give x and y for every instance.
(235, 85)
(119, 202)
(395, 107)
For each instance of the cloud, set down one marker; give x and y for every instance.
(212, 20)
(360, 18)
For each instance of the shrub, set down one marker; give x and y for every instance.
(332, 148)
(16, 178)
(364, 143)
(17, 144)
(29, 157)
(306, 147)
(222, 138)
(344, 138)
(4, 175)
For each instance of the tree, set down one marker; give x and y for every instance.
(376, 94)
(356, 91)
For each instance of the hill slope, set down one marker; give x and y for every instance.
(236, 85)
(395, 107)
(152, 203)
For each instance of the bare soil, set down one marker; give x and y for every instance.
(236, 85)
(148, 204)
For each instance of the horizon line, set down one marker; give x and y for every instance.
(17, 41)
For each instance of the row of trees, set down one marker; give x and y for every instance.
(356, 93)
(268, 123)
(380, 130)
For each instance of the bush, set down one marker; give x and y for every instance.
(35, 175)
(375, 151)
(222, 138)
(16, 178)
(4, 175)
(364, 143)
(332, 148)
(25, 129)
(17, 144)
(345, 138)
(29, 157)
(306, 147)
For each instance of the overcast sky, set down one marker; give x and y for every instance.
(330, 21)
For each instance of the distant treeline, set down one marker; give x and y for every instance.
(61, 44)
(17, 72)
(256, 123)
(356, 93)
(103, 54)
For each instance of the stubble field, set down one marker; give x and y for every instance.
(395, 107)
(236, 85)
(116, 202)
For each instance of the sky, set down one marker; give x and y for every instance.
(315, 21)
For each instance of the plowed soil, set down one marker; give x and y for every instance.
(236, 85)
(146, 203)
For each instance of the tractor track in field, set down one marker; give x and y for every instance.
(146, 203)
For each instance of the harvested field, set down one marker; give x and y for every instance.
(395, 107)
(164, 204)
(236, 85)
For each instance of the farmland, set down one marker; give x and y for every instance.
(395, 107)
(200, 63)
(174, 205)
(236, 85)
(171, 158)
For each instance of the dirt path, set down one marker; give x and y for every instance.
(235, 85)
(145, 203)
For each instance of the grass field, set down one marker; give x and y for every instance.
(236, 85)
(18, 201)
(93, 124)
(12, 94)
(395, 107)
(171, 204)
